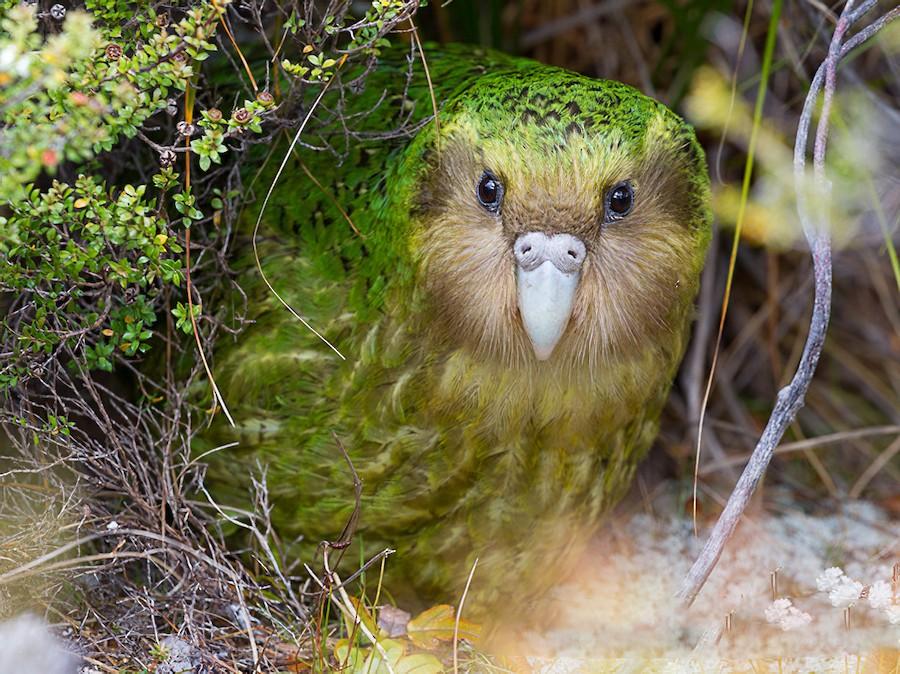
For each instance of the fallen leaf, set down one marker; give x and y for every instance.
(436, 625)
(418, 663)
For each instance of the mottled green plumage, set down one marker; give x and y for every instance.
(466, 444)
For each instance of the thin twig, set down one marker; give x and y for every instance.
(346, 605)
(880, 462)
(791, 398)
(459, 610)
(809, 443)
(188, 282)
(434, 106)
(745, 192)
(265, 203)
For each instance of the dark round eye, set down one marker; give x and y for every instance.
(490, 192)
(620, 199)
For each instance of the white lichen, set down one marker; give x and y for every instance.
(785, 615)
(626, 606)
(880, 595)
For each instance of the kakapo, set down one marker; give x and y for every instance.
(511, 286)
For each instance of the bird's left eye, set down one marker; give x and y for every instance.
(490, 192)
(619, 200)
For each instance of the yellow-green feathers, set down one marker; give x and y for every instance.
(466, 442)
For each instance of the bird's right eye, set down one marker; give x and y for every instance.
(490, 192)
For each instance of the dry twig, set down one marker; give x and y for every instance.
(791, 398)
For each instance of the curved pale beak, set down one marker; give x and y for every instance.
(548, 269)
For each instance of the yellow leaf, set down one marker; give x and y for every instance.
(368, 660)
(81, 202)
(161, 239)
(437, 624)
(308, 48)
(106, 332)
(418, 663)
(393, 649)
(351, 658)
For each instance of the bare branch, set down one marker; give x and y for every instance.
(791, 398)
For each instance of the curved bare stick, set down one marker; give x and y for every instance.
(791, 398)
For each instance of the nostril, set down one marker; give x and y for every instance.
(573, 254)
(525, 249)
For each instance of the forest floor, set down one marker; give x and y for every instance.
(776, 601)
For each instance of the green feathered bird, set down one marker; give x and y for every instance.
(512, 311)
